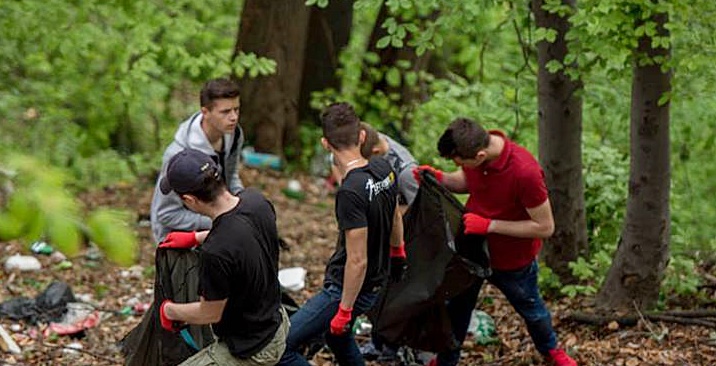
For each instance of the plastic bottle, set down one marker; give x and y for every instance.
(41, 247)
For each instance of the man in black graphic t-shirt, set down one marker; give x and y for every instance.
(238, 277)
(367, 216)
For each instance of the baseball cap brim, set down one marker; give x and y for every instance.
(164, 185)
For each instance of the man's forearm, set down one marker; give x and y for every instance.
(520, 229)
(353, 281)
(191, 313)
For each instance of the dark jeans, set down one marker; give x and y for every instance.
(314, 319)
(520, 289)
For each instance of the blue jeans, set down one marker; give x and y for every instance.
(314, 320)
(520, 289)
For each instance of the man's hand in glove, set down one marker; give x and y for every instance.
(476, 224)
(180, 240)
(341, 321)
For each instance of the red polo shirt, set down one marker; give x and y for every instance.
(503, 189)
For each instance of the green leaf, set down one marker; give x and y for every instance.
(109, 230)
(393, 77)
(383, 42)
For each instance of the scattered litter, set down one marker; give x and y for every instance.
(7, 343)
(362, 326)
(41, 247)
(50, 305)
(260, 160)
(294, 190)
(482, 328)
(15, 327)
(57, 257)
(72, 348)
(22, 263)
(293, 278)
(64, 265)
(79, 316)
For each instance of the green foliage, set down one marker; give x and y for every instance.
(37, 206)
(80, 77)
(109, 230)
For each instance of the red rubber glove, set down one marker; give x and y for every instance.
(398, 262)
(180, 240)
(340, 321)
(436, 172)
(398, 252)
(168, 324)
(475, 224)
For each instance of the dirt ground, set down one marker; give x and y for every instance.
(309, 228)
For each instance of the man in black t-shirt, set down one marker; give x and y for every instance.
(238, 278)
(367, 216)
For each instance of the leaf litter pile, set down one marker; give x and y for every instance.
(308, 226)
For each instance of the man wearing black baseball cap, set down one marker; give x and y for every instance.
(238, 277)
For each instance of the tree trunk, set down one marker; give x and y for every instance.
(389, 56)
(560, 146)
(643, 252)
(329, 31)
(269, 104)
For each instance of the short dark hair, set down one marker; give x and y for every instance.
(463, 138)
(217, 89)
(371, 140)
(341, 125)
(209, 189)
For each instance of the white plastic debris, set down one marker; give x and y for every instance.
(22, 263)
(7, 344)
(294, 185)
(293, 278)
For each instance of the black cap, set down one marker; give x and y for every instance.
(187, 171)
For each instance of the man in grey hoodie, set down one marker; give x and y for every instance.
(215, 131)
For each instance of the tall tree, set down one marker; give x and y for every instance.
(560, 140)
(329, 30)
(269, 105)
(643, 252)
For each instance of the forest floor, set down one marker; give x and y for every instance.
(310, 230)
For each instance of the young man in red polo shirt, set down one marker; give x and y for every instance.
(508, 203)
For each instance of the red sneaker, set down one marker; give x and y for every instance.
(561, 358)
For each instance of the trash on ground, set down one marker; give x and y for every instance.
(41, 247)
(79, 316)
(22, 263)
(50, 305)
(260, 160)
(7, 344)
(482, 328)
(293, 278)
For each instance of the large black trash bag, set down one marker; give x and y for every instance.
(177, 279)
(48, 306)
(442, 263)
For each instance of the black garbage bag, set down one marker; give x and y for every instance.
(177, 278)
(442, 263)
(48, 306)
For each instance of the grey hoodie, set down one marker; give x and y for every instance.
(167, 211)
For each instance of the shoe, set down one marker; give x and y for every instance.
(561, 358)
(388, 355)
(369, 352)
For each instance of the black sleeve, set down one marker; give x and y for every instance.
(351, 210)
(214, 277)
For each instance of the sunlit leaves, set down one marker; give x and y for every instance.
(110, 231)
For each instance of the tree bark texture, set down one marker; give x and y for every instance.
(269, 104)
(329, 31)
(560, 146)
(643, 252)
